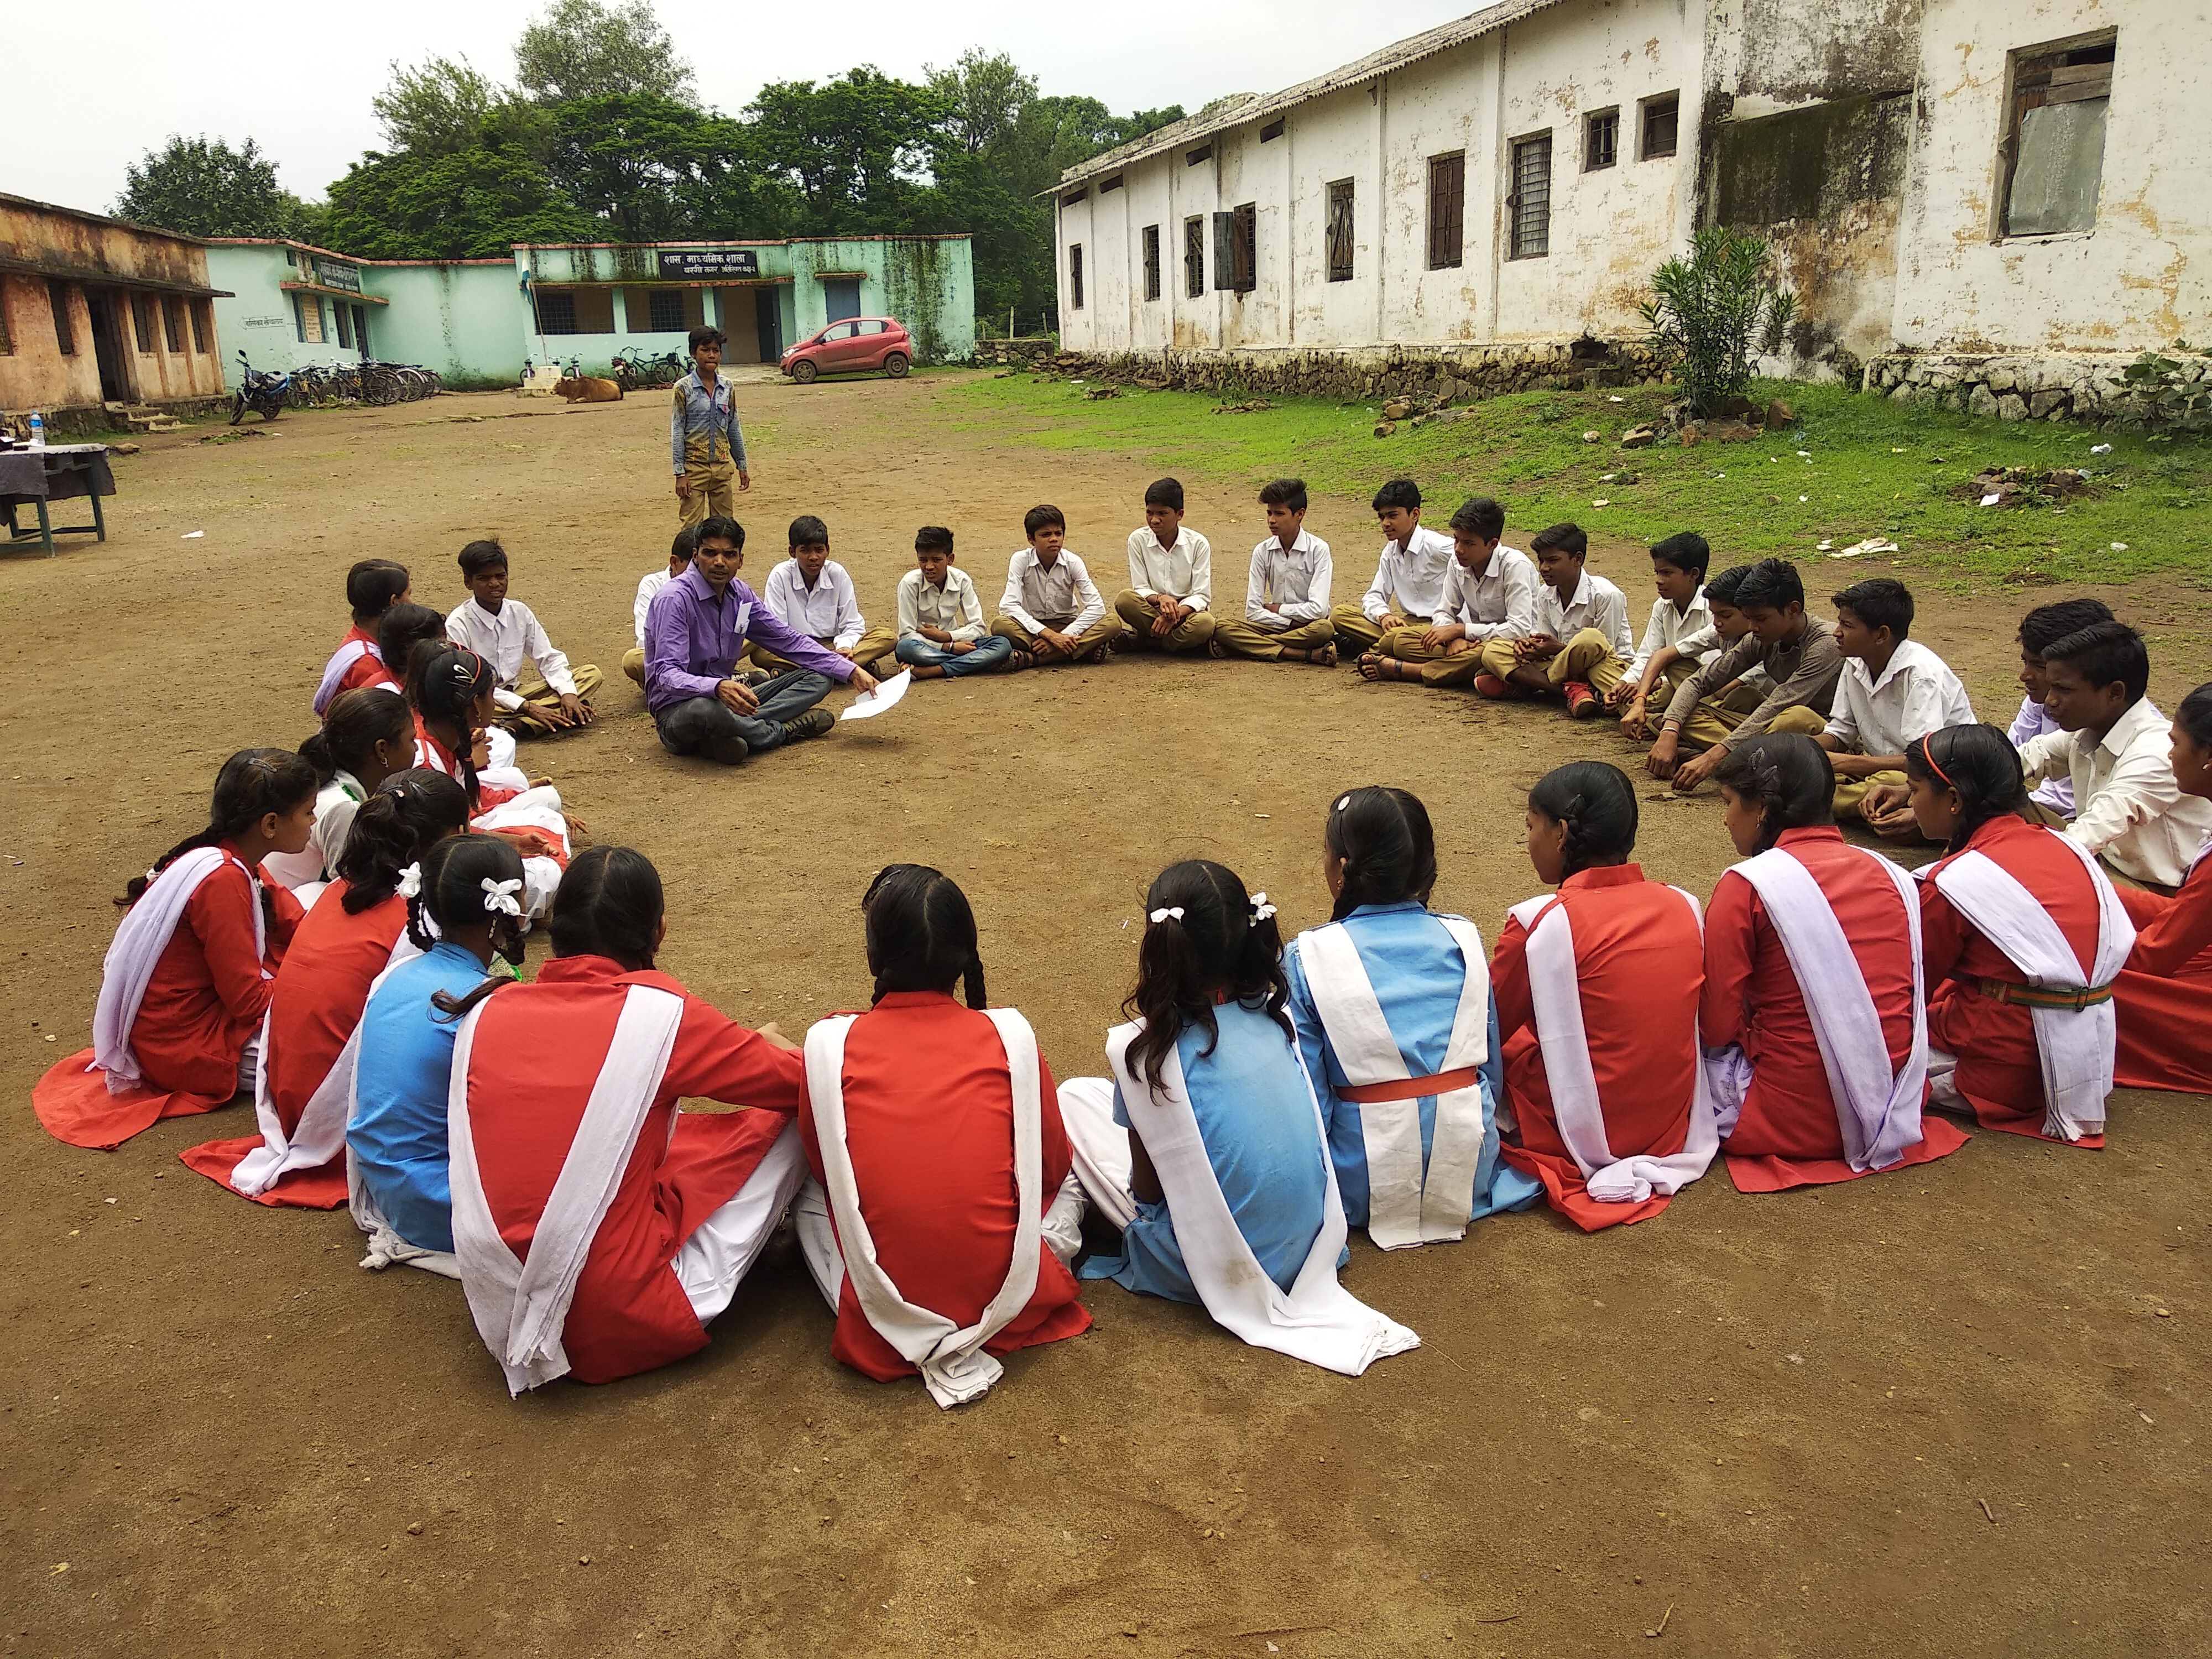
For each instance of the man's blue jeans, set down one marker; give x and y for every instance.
(709, 726)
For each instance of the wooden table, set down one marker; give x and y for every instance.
(35, 477)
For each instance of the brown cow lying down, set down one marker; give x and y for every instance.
(587, 389)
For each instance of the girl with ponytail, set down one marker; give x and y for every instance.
(1814, 1018)
(2165, 997)
(1610, 1099)
(1396, 1023)
(367, 736)
(920, 1106)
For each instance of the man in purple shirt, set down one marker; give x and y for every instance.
(694, 633)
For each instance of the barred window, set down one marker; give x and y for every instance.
(1530, 201)
(1601, 139)
(1193, 258)
(557, 312)
(1446, 209)
(1662, 125)
(1075, 276)
(1151, 262)
(664, 309)
(1339, 231)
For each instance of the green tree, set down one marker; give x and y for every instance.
(581, 49)
(650, 165)
(856, 149)
(437, 108)
(984, 95)
(199, 187)
(1710, 313)
(471, 204)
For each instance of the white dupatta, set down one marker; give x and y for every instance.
(1406, 1206)
(951, 1359)
(145, 932)
(341, 660)
(520, 1307)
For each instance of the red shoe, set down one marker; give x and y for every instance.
(1490, 686)
(1582, 701)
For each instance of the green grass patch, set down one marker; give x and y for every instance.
(1854, 467)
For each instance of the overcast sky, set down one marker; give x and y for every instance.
(91, 91)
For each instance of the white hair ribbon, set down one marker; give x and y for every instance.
(500, 895)
(1343, 801)
(1173, 913)
(410, 882)
(1261, 909)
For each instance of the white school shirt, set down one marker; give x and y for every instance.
(649, 585)
(1916, 694)
(1596, 604)
(1498, 602)
(829, 610)
(1297, 579)
(1410, 577)
(1034, 595)
(2128, 809)
(504, 639)
(1690, 632)
(953, 607)
(1183, 571)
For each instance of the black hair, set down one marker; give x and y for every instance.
(686, 543)
(610, 905)
(392, 829)
(716, 526)
(700, 337)
(359, 719)
(1565, 537)
(2195, 714)
(1879, 602)
(443, 682)
(807, 531)
(1978, 762)
(1686, 550)
(401, 628)
(481, 555)
(1040, 518)
(1724, 586)
(1387, 844)
(2044, 626)
(1787, 772)
(453, 873)
(1289, 493)
(372, 586)
(920, 933)
(1219, 940)
(1597, 803)
(252, 784)
(2106, 653)
(1165, 492)
(934, 539)
(1479, 515)
(1770, 584)
(1401, 493)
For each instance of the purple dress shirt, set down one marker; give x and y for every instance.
(692, 643)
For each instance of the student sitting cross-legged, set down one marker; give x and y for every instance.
(1580, 649)
(944, 1208)
(367, 736)
(1679, 639)
(1051, 611)
(1489, 593)
(598, 1229)
(2039, 630)
(1168, 604)
(2165, 994)
(1409, 589)
(1597, 1000)
(679, 561)
(1285, 593)
(813, 595)
(1392, 1005)
(1815, 1018)
(940, 619)
(1207, 1146)
(372, 587)
(539, 692)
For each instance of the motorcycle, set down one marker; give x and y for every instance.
(263, 391)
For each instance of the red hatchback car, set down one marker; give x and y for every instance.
(858, 343)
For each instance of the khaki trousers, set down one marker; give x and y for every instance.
(538, 696)
(714, 491)
(1135, 614)
(1240, 638)
(633, 663)
(1092, 645)
(1850, 793)
(1443, 668)
(1587, 657)
(1357, 632)
(873, 647)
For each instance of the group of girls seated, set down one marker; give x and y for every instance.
(1261, 1101)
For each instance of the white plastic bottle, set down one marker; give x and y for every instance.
(37, 431)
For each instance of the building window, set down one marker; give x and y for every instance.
(1191, 158)
(1530, 202)
(309, 311)
(1662, 125)
(664, 307)
(1151, 262)
(2053, 155)
(173, 324)
(1601, 139)
(345, 323)
(557, 312)
(1075, 275)
(1106, 185)
(7, 340)
(1272, 131)
(142, 322)
(361, 329)
(65, 335)
(199, 308)
(1446, 209)
(1193, 258)
(1339, 233)
(1236, 248)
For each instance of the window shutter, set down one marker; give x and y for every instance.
(1224, 250)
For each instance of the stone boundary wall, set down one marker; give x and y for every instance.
(1456, 372)
(2088, 386)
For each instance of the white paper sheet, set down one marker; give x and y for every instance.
(869, 704)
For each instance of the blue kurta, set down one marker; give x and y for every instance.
(1256, 1120)
(398, 1129)
(1416, 971)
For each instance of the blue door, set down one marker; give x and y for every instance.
(843, 296)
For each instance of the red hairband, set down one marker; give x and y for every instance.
(1928, 754)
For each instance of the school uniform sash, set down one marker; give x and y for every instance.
(144, 934)
(1407, 1205)
(1555, 989)
(2074, 1044)
(1878, 1111)
(520, 1306)
(1316, 1320)
(951, 1358)
(349, 653)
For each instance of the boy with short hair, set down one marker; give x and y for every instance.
(372, 587)
(941, 631)
(1051, 611)
(813, 594)
(679, 561)
(537, 691)
(2039, 630)
(1489, 593)
(1581, 647)
(1168, 604)
(705, 443)
(1409, 589)
(1678, 640)
(1798, 651)
(1286, 615)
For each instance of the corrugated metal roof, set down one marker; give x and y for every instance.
(1194, 128)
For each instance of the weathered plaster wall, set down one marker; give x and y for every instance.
(35, 374)
(259, 318)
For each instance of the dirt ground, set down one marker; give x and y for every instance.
(1957, 1410)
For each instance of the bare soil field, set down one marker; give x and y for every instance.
(1957, 1410)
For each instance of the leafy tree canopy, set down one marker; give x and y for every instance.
(581, 49)
(202, 187)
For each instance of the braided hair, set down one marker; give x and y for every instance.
(1387, 844)
(444, 682)
(252, 784)
(1787, 774)
(393, 828)
(1206, 933)
(1596, 804)
(456, 874)
(1980, 763)
(921, 934)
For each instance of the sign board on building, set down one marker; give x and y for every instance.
(709, 265)
(343, 276)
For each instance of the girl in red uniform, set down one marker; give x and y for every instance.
(1812, 992)
(2165, 996)
(931, 1128)
(1597, 1003)
(367, 735)
(2021, 936)
(186, 981)
(663, 1212)
(303, 1089)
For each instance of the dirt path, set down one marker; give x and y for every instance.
(1782, 1417)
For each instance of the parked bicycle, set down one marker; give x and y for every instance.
(265, 392)
(630, 372)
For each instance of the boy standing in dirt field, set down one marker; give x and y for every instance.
(705, 443)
